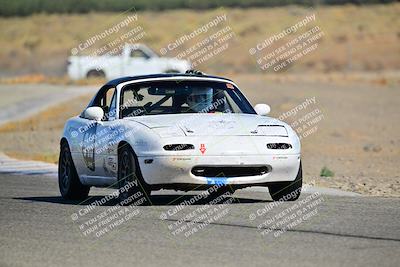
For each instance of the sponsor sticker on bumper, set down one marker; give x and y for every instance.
(217, 180)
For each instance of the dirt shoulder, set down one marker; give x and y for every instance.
(354, 133)
(38, 136)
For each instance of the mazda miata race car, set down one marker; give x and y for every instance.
(177, 131)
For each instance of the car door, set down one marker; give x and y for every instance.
(95, 166)
(83, 132)
(107, 133)
(138, 63)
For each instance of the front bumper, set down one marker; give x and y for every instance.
(178, 169)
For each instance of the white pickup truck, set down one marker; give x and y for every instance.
(135, 59)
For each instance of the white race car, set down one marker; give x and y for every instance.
(177, 131)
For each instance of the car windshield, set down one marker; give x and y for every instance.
(177, 97)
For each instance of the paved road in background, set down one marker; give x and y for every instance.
(38, 228)
(21, 101)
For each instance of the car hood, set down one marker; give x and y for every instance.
(215, 124)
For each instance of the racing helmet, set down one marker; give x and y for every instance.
(200, 99)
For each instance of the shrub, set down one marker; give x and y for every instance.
(325, 172)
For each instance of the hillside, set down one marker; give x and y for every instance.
(361, 38)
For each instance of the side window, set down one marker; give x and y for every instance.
(105, 99)
(137, 53)
(230, 105)
(113, 106)
(109, 95)
(106, 103)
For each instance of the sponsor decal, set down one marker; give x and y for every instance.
(279, 157)
(203, 148)
(112, 164)
(217, 180)
(230, 86)
(88, 147)
(181, 159)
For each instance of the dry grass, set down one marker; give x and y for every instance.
(40, 78)
(370, 34)
(37, 137)
(384, 78)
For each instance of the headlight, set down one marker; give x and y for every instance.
(294, 138)
(165, 132)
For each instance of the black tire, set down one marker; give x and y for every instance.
(95, 74)
(128, 172)
(68, 180)
(288, 191)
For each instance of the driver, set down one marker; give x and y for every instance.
(200, 99)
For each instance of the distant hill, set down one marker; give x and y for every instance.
(28, 7)
(356, 38)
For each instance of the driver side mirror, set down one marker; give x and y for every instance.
(262, 109)
(93, 113)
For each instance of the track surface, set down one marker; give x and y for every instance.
(37, 229)
(21, 101)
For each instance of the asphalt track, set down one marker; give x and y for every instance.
(38, 228)
(21, 101)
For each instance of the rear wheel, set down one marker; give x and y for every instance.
(68, 180)
(288, 191)
(95, 74)
(131, 186)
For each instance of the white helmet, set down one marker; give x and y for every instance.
(200, 99)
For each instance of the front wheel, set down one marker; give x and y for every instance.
(132, 189)
(287, 191)
(68, 181)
